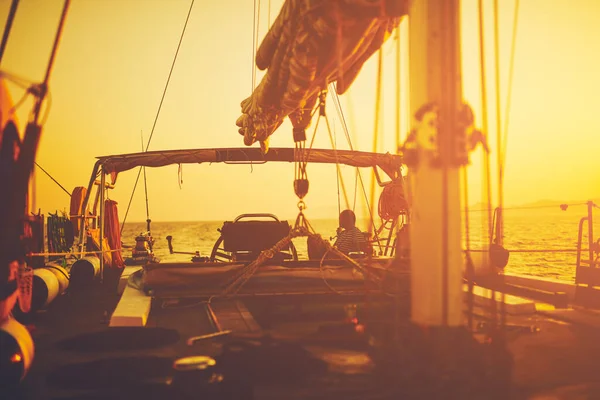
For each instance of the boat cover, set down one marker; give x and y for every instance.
(210, 279)
(311, 44)
(114, 164)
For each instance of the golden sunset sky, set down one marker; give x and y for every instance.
(115, 56)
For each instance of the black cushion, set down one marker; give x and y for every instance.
(253, 236)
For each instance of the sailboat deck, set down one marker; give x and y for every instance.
(79, 357)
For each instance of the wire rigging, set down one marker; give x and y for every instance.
(510, 80)
(146, 194)
(359, 177)
(484, 123)
(486, 156)
(500, 163)
(51, 177)
(398, 102)
(338, 175)
(8, 26)
(378, 101)
(338, 108)
(158, 111)
(340, 178)
(501, 142)
(255, 31)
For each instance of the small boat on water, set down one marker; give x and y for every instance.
(418, 319)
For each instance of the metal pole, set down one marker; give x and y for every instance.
(38, 104)
(435, 99)
(590, 205)
(579, 239)
(8, 26)
(499, 152)
(101, 223)
(44, 87)
(84, 206)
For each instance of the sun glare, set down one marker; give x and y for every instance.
(115, 58)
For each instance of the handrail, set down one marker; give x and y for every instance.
(529, 251)
(73, 253)
(590, 249)
(590, 206)
(579, 239)
(253, 215)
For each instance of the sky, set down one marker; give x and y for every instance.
(114, 59)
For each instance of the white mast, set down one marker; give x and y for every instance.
(434, 160)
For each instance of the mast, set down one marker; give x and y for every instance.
(435, 101)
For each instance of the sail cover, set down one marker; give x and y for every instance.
(311, 44)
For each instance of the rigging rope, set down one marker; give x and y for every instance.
(50, 176)
(340, 178)
(340, 111)
(150, 242)
(398, 102)
(59, 231)
(158, 111)
(371, 202)
(510, 80)
(372, 228)
(20, 81)
(499, 240)
(378, 100)
(8, 26)
(470, 268)
(500, 164)
(338, 106)
(255, 29)
(484, 123)
(337, 176)
(44, 85)
(355, 190)
(486, 157)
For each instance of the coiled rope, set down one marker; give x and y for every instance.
(59, 230)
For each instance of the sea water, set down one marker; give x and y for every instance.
(543, 231)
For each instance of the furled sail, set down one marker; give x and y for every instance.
(311, 44)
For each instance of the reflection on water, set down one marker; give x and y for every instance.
(524, 229)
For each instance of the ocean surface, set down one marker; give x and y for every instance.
(533, 235)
